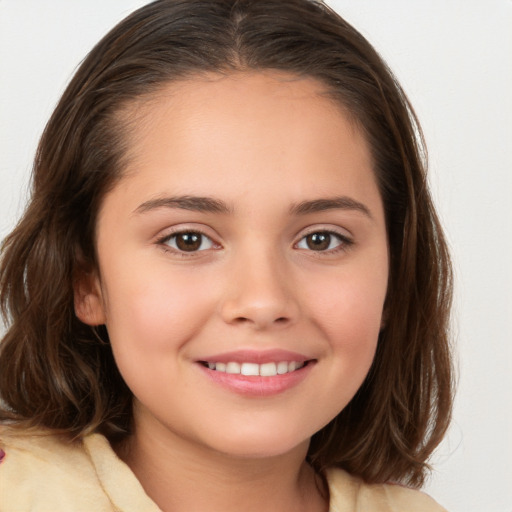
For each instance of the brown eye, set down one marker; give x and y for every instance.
(189, 241)
(318, 241)
(322, 241)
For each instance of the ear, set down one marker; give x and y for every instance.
(89, 307)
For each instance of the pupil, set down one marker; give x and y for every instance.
(318, 241)
(188, 241)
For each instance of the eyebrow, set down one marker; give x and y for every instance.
(193, 203)
(334, 203)
(212, 205)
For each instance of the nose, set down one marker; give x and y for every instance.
(260, 293)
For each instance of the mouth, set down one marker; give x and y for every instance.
(251, 369)
(257, 373)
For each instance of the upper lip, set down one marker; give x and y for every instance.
(256, 356)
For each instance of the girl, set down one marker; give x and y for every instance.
(230, 289)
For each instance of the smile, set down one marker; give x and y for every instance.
(270, 369)
(251, 379)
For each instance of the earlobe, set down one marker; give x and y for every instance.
(88, 299)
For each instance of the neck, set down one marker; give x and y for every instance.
(180, 476)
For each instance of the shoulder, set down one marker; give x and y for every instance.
(41, 472)
(351, 494)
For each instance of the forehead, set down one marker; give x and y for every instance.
(254, 128)
(240, 100)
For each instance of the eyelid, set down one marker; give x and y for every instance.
(325, 228)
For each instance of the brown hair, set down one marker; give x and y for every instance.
(57, 373)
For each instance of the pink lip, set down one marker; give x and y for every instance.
(255, 356)
(257, 386)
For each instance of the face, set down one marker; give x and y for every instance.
(243, 263)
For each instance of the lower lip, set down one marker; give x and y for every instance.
(257, 386)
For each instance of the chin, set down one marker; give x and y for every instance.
(260, 445)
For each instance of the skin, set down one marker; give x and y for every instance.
(261, 143)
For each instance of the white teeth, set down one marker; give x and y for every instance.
(268, 370)
(233, 368)
(282, 367)
(250, 369)
(254, 369)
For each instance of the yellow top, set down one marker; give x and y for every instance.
(40, 473)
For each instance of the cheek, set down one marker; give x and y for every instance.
(154, 309)
(151, 316)
(349, 312)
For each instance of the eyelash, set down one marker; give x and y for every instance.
(164, 242)
(344, 242)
